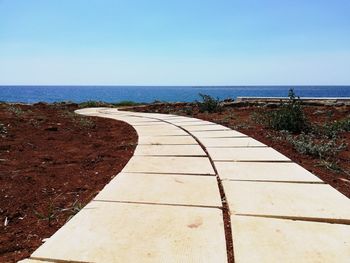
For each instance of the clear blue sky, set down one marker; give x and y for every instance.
(175, 42)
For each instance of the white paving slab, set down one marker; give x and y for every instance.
(210, 127)
(194, 123)
(231, 142)
(163, 189)
(153, 115)
(246, 154)
(217, 134)
(304, 201)
(267, 240)
(169, 150)
(116, 232)
(175, 165)
(264, 171)
(172, 140)
(148, 123)
(181, 120)
(159, 130)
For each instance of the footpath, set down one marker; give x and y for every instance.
(196, 191)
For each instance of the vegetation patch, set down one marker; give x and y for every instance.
(3, 130)
(15, 110)
(289, 116)
(308, 144)
(209, 104)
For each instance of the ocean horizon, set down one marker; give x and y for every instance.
(148, 94)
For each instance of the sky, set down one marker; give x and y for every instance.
(175, 42)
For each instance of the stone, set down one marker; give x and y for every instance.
(217, 134)
(146, 123)
(119, 232)
(159, 130)
(167, 140)
(209, 127)
(264, 171)
(268, 240)
(162, 189)
(231, 142)
(194, 123)
(169, 150)
(246, 154)
(174, 165)
(317, 202)
(179, 121)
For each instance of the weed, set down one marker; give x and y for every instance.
(330, 165)
(86, 122)
(289, 116)
(209, 104)
(15, 110)
(83, 121)
(188, 110)
(3, 130)
(322, 149)
(49, 215)
(74, 209)
(332, 130)
(259, 118)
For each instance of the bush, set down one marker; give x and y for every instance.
(322, 149)
(289, 116)
(209, 104)
(331, 130)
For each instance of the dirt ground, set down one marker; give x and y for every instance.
(52, 163)
(242, 119)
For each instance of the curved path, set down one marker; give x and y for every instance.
(192, 189)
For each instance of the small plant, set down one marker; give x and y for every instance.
(259, 118)
(86, 122)
(49, 215)
(322, 149)
(74, 209)
(3, 130)
(289, 116)
(330, 165)
(209, 104)
(331, 130)
(15, 110)
(83, 121)
(188, 110)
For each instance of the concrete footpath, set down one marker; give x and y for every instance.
(168, 203)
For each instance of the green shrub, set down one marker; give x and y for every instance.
(331, 130)
(289, 116)
(322, 149)
(209, 104)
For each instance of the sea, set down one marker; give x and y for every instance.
(148, 94)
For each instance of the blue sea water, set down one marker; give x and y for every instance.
(32, 94)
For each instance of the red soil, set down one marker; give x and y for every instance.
(52, 163)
